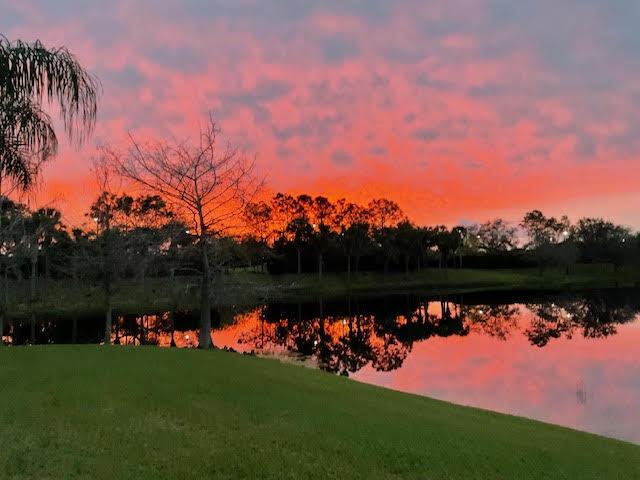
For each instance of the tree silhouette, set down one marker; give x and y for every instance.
(602, 240)
(301, 233)
(208, 184)
(30, 73)
(384, 213)
(407, 240)
(544, 234)
(355, 241)
(495, 236)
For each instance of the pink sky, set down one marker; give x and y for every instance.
(459, 110)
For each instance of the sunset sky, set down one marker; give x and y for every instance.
(460, 110)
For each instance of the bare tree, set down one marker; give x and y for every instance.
(209, 184)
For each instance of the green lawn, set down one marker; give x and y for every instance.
(96, 412)
(453, 280)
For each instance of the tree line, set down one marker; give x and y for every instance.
(129, 236)
(287, 229)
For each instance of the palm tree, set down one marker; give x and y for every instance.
(29, 74)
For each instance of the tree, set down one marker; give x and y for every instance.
(258, 216)
(496, 236)
(384, 213)
(427, 238)
(407, 240)
(462, 242)
(300, 233)
(566, 254)
(347, 214)
(601, 240)
(323, 211)
(386, 241)
(38, 229)
(447, 242)
(12, 219)
(544, 234)
(321, 239)
(106, 261)
(355, 241)
(285, 208)
(29, 73)
(208, 184)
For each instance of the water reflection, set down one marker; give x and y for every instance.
(344, 336)
(592, 316)
(568, 359)
(382, 333)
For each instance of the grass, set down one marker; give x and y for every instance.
(153, 294)
(96, 412)
(452, 281)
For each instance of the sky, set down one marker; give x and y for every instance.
(460, 110)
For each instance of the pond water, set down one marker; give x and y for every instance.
(570, 359)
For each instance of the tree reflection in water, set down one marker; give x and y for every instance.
(345, 336)
(593, 316)
(383, 334)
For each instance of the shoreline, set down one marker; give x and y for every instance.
(63, 297)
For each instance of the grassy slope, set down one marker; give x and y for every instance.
(65, 298)
(95, 412)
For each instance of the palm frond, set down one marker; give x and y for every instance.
(27, 139)
(30, 71)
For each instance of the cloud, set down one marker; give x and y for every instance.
(338, 49)
(379, 151)
(425, 134)
(541, 97)
(341, 158)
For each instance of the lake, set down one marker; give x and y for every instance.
(571, 359)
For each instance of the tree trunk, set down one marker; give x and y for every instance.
(74, 329)
(173, 328)
(320, 266)
(299, 261)
(141, 331)
(47, 273)
(357, 263)
(205, 304)
(32, 279)
(116, 331)
(446, 266)
(406, 265)
(5, 288)
(32, 326)
(107, 322)
(1, 329)
(348, 267)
